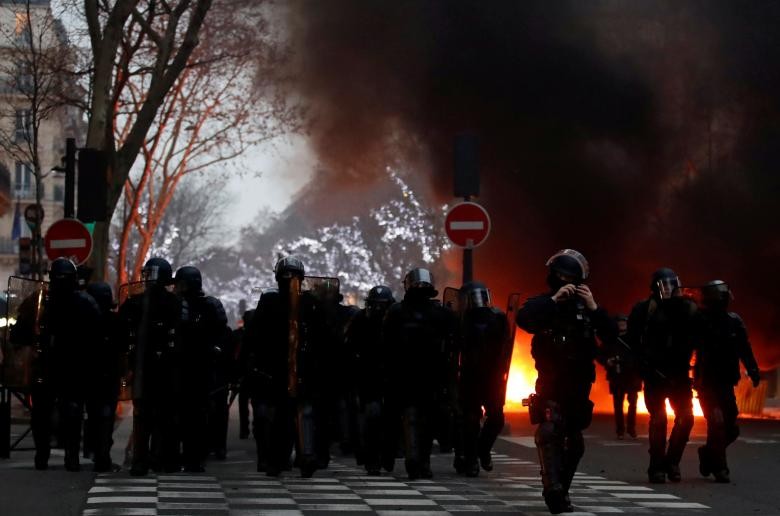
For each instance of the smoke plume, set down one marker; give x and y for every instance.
(643, 134)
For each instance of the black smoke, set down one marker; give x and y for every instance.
(641, 133)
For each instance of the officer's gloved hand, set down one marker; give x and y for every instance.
(755, 377)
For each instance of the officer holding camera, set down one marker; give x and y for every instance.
(564, 322)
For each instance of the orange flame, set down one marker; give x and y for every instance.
(522, 379)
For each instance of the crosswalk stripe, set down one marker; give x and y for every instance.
(170, 506)
(262, 501)
(646, 496)
(190, 494)
(607, 488)
(122, 499)
(335, 507)
(399, 501)
(672, 505)
(123, 489)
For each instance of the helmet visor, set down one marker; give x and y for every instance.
(478, 298)
(419, 278)
(668, 287)
(583, 263)
(150, 273)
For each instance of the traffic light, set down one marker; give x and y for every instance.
(92, 185)
(25, 255)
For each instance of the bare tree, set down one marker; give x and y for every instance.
(37, 67)
(193, 219)
(215, 110)
(127, 38)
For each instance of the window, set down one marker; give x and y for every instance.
(23, 180)
(59, 193)
(23, 125)
(24, 77)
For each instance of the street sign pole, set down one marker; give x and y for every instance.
(468, 258)
(467, 225)
(466, 185)
(70, 178)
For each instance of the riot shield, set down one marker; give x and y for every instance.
(293, 336)
(512, 306)
(127, 291)
(451, 299)
(325, 290)
(22, 331)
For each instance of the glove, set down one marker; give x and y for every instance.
(755, 377)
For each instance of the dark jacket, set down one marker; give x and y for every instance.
(721, 343)
(418, 336)
(485, 353)
(564, 342)
(662, 335)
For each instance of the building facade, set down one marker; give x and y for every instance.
(23, 21)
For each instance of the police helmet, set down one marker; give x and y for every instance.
(420, 279)
(379, 299)
(189, 281)
(475, 295)
(665, 283)
(569, 264)
(716, 294)
(63, 272)
(102, 294)
(288, 268)
(157, 270)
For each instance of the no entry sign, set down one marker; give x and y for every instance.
(68, 238)
(467, 224)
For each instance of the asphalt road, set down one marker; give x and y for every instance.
(612, 479)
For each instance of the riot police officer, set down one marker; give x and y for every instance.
(660, 330)
(104, 376)
(485, 355)
(363, 340)
(150, 321)
(721, 343)
(624, 380)
(564, 323)
(204, 345)
(418, 334)
(68, 333)
(283, 343)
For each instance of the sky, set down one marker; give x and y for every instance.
(275, 172)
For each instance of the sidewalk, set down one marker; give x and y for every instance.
(23, 490)
(772, 408)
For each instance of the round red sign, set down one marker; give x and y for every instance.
(467, 224)
(68, 238)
